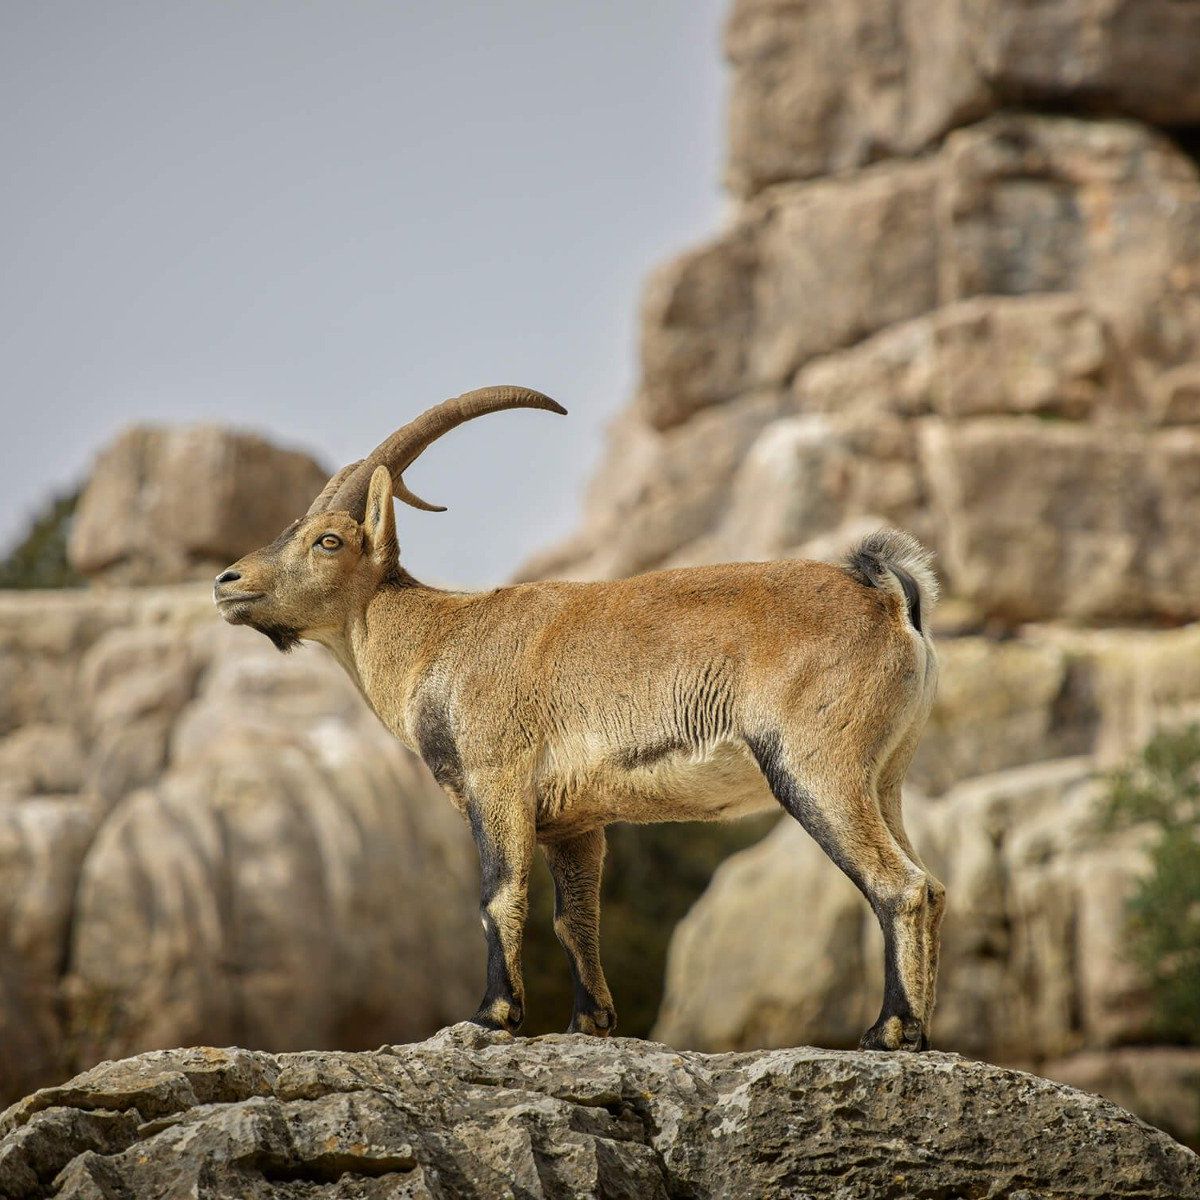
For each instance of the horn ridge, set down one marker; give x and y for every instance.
(348, 489)
(321, 503)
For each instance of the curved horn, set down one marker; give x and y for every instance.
(321, 503)
(400, 450)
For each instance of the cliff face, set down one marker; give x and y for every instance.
(470, 1113)
(204, 840)
(993, 344)
(958, 291)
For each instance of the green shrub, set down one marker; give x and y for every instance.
(1162, 788)
(39, 560)
(652, 876)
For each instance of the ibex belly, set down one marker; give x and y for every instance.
(717, 783)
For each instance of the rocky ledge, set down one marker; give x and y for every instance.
(472, 1113)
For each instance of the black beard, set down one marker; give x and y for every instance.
(285, 637)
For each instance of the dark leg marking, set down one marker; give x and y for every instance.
(896, 1006)
(800, 804)
(584, 1004)
(500, 1008)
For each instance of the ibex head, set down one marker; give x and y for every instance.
(327, 565)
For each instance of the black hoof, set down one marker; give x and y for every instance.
(486, 1022)
(501, 1015)
(895, 1033)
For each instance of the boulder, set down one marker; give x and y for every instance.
(1106, 209)
(43, 841)
(1000, 705)
(294, 878)
(659, 491)
(1103, 211)
(1132, 682)
(821, 473)
(169, 504)
(471, 1113)
(1044, 354)
(805, 270)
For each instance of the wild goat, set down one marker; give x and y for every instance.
(548, 710)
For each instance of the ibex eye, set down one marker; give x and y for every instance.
(329, 541)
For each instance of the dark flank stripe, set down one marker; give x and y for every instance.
(437, 747)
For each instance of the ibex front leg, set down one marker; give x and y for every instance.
(576, 865)
(505, 840)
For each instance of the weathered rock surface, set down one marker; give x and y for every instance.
(202, 840)
(164, 505)
(1159, 1083)
(820, 89)
(1016, 205)
(991, 345)
(470, 1113)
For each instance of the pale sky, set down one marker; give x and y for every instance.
(315, 218)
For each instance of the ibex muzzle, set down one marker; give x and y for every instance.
(548, 710)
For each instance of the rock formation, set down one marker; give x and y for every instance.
(475, 1114)
(164, 505)
(202, 840)
(958, 291)
(970, 344)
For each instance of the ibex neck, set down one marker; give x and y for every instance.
(389, 647)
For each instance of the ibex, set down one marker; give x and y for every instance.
(548, 710)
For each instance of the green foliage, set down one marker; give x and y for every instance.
(1162, 788)
(39, 560)
(652, 876)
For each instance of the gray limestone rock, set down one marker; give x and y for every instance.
(473, 1113)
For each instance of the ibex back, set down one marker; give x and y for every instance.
(548, 710)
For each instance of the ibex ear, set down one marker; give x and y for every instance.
(379, 524)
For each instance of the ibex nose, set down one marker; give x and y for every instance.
(228, 577)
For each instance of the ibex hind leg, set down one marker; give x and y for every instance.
(843, 816)
(890, 803)
(576, 865)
